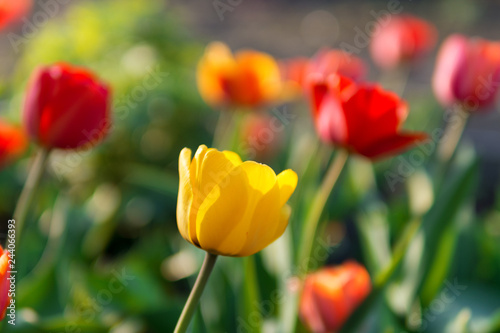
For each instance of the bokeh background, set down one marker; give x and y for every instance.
(102, 252)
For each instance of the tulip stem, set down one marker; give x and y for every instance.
(29, 190)
(318, 205)
(194, 297)
(383, 277)
(452, 136)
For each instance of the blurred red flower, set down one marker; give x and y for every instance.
(301, 71)
(12, 11)
(4, 282)
(333, 61)
(404, 38)
(362, 118)
(262, 136)
(331, 294)
(13, 142)
(467, 72)
(66, 107)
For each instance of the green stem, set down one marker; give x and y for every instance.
(318, 205)
(221, 129)
(383, 277)
(28, 192)
(194, 297)
(453, 134)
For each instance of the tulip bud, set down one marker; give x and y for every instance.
(229, 207)
(13, 143)
(66, 107)
(467, 72)
(248, 79)
(4, 282)
(331, 294)
(403, 39)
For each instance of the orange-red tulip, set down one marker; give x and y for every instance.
(4, 282)
(331, 294)
(248, 79)
(66, 107)
(13, 142)
(12, 11)
(333, 61)
(326, 62)
(467, 72)
(404, 38)
(364, 119)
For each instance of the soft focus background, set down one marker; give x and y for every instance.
(102, 252)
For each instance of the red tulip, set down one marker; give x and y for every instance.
(404, 38)
(13, 10)
(13, 143)
(331, 295)
(4, 282)
(364, 119)
(467, 72)
(66, 107)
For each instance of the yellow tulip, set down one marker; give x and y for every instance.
(247, 79)
(229, 207)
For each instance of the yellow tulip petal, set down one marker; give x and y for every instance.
(233, 157)
(264, 222)
(185, 194)
(285, 213)
(221, 212)
(287, 181)
(261, 212)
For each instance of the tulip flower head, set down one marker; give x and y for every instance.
(364, 119)
(66, 107)
(302, 71)
(331, 294)
(467, 72)
(248, 79)
(229, 207)
(12, 11)
(328, 62)
(13, 143)
(404, 38)
(4, 282)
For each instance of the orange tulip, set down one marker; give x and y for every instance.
(4, 282)
(249, 79)
(404, 39)
(331, 295)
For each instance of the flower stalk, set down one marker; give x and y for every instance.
(194, 297)
(29, 190)
(319, 202)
